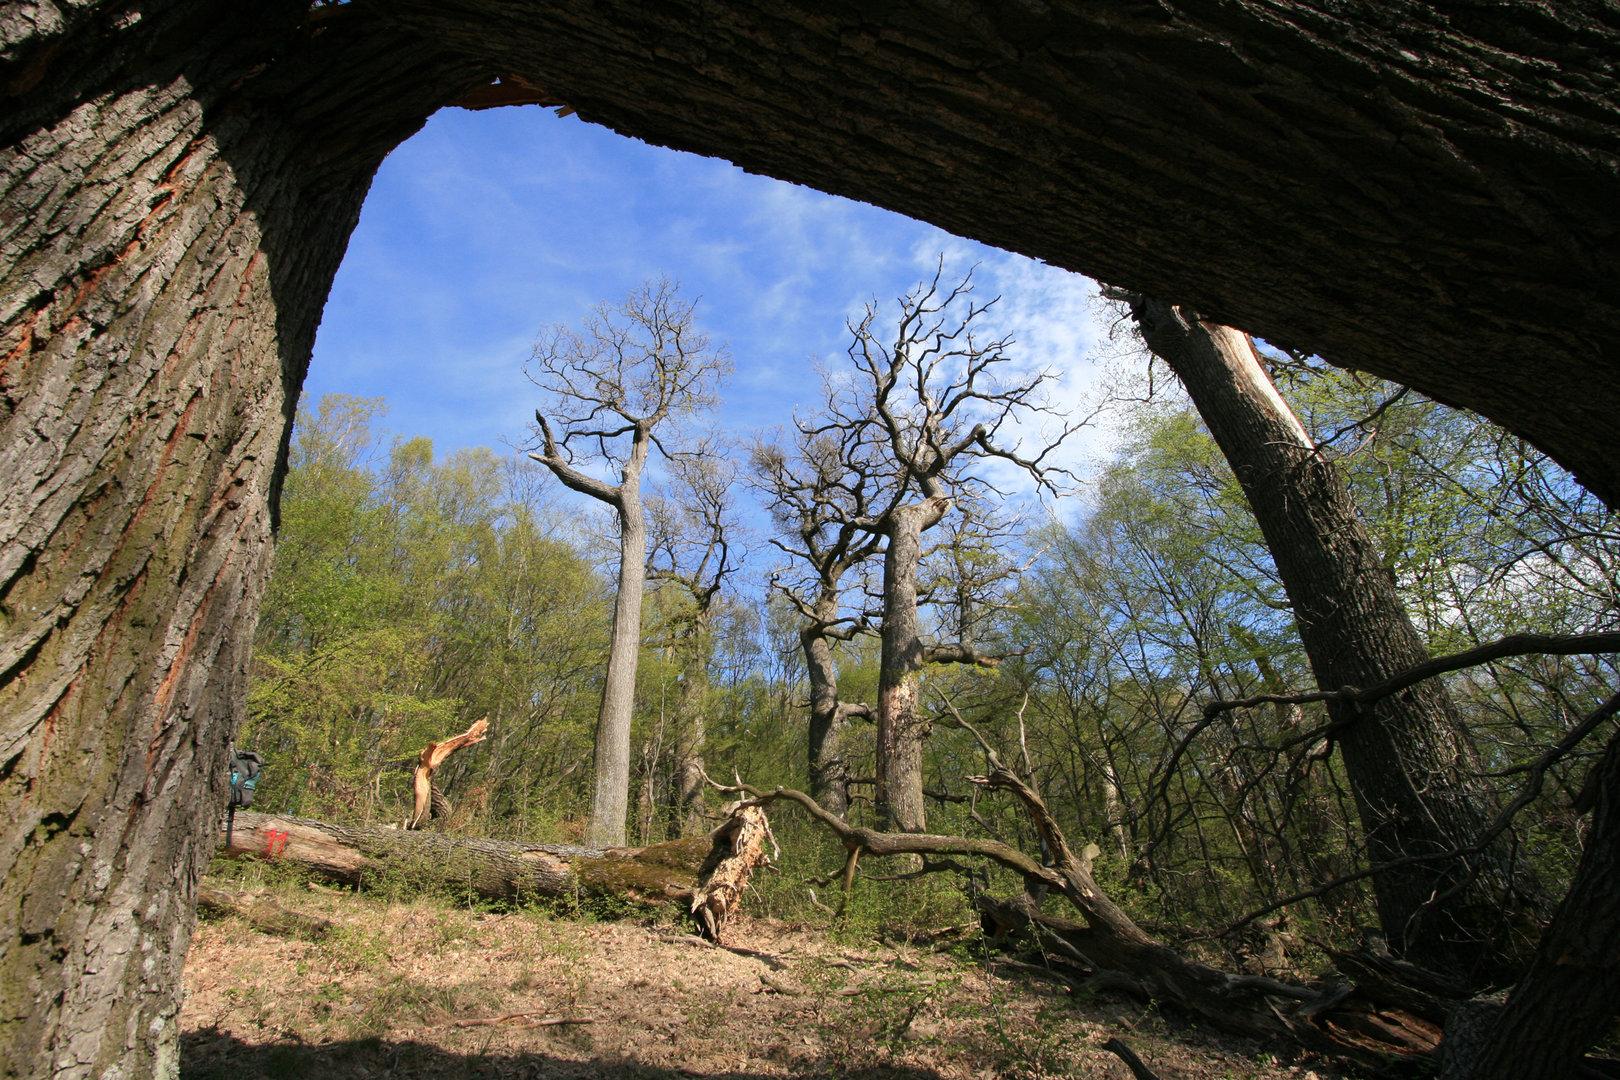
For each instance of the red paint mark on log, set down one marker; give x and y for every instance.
(275, 842)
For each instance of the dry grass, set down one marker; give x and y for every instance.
(381, 996)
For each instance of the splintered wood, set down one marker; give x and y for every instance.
(434, 755)
(739, 848)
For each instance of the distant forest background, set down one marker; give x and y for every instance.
(414, 593)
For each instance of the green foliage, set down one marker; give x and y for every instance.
(413, 594)
(411, 597)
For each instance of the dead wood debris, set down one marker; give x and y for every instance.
(428, 800)
(260, 913)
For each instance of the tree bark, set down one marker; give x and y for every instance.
(179, 182)
(1479, 142)
(491, 869)
(686, 815)
(1414, 776)
(829, 771)
(902, 729)
(610, 802)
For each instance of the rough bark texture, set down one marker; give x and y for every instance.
(178, 187)
(902, 729)
(829, 771)
(687, 812)
(1424, 192)
(493, 869)
(1414, 777)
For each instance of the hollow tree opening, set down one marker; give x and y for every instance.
(1426, 195)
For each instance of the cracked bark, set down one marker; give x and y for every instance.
(177, 201)
(1414, 775)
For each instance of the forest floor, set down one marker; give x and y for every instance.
(423, 989)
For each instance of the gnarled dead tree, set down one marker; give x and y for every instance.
(693, 553)
(613, 391)
(814, 499)
(923, 406)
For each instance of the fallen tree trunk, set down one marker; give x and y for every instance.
(737, 850)
(1117, 954)
(490, 869)
(261, 913)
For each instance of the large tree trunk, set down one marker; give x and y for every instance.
(491, 869)
(686, 814)
(610, 803)
(1414, 776)
(1477, 141)
(902, 728)
(177, 199)
(829, 772)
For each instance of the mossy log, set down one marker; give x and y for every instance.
(491, 869)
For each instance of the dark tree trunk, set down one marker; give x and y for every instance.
(177, 200)
(1414, 776)
(1478, 141)
(610, 799)
(902, 728)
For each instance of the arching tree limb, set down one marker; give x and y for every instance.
(433, 755)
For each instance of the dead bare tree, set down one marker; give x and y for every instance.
(923, 407)
(693, 553)
(613, 391)
(814, 499)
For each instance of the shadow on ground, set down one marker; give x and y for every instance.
(210, 1054)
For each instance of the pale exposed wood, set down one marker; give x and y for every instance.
(738, 850)
(433, 755)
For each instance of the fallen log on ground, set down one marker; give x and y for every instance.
(1114, 953)
(262, 914)
(738, 850)
(490, 869)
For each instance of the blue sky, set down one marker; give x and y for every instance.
(487, 227)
